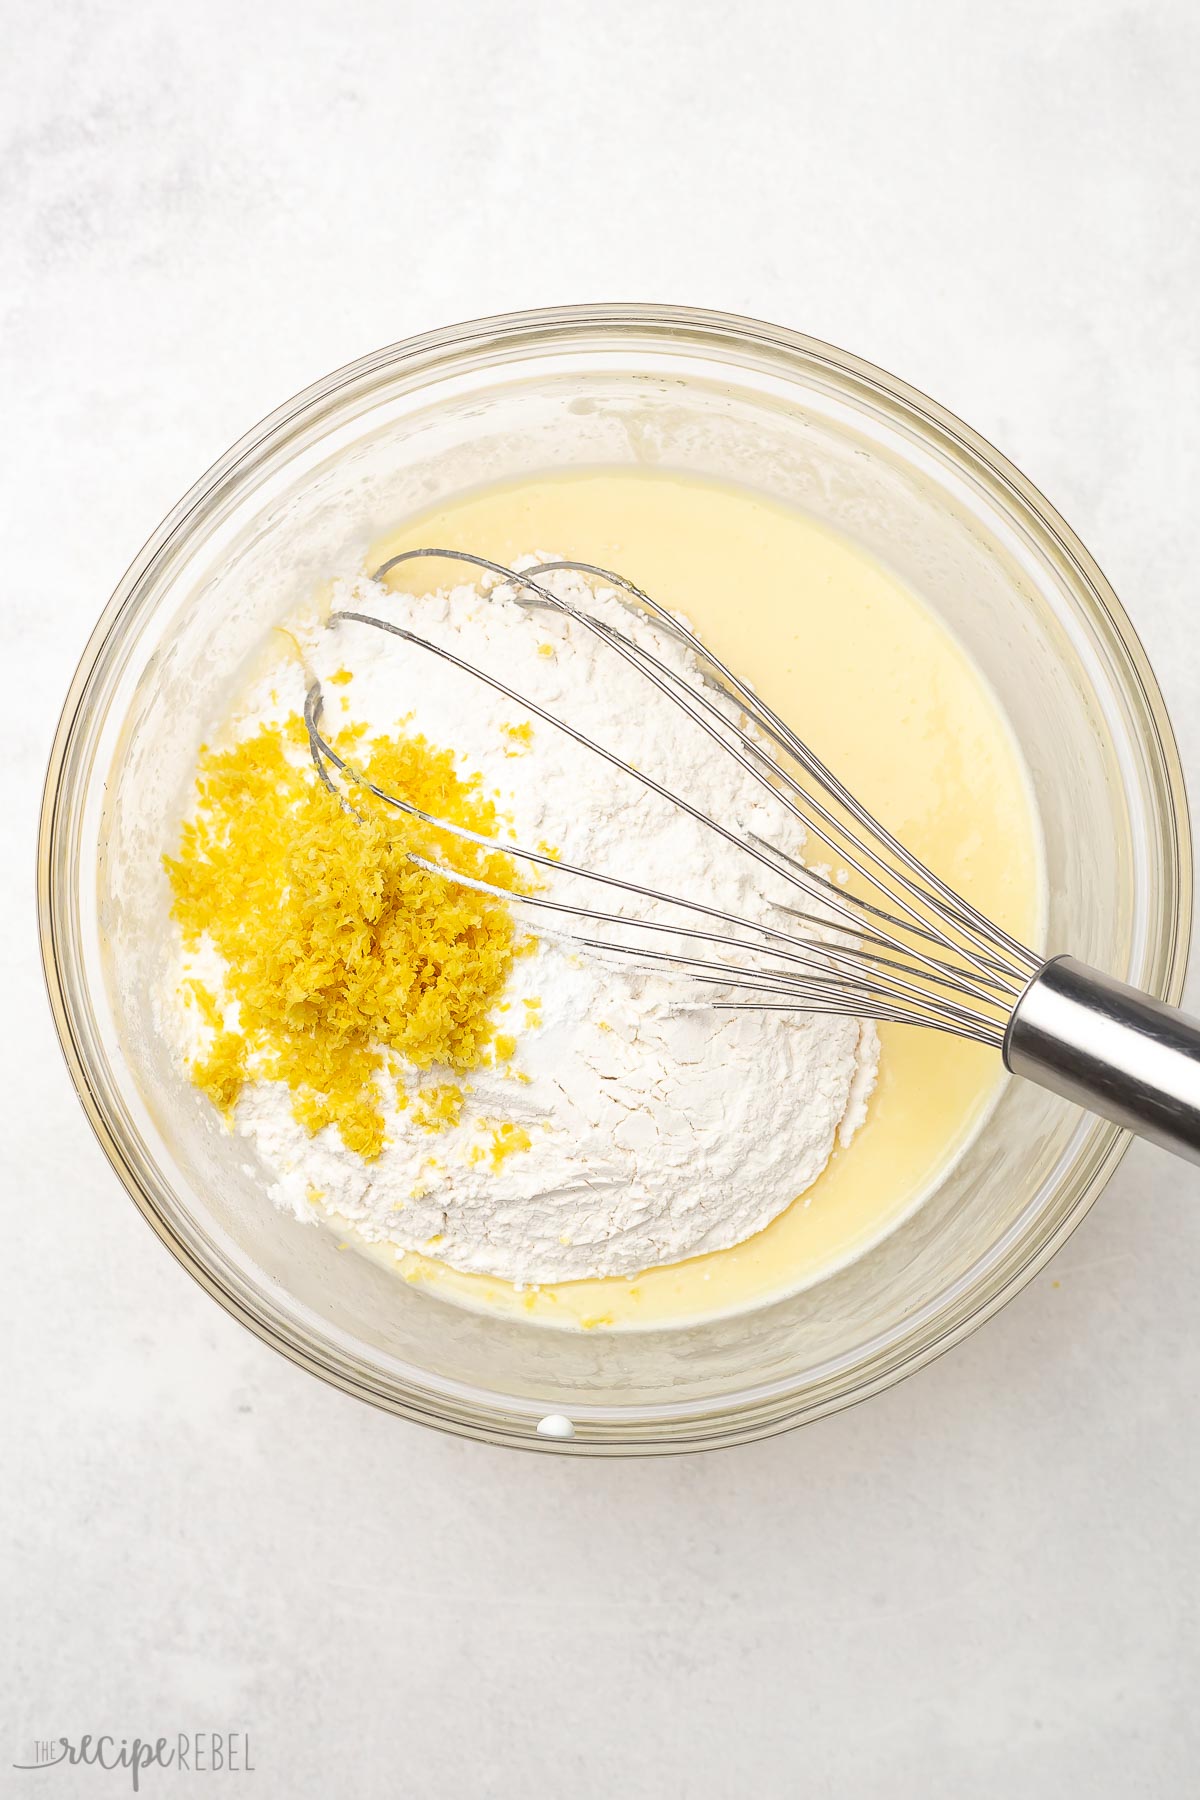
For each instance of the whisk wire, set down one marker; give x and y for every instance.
(910, 985)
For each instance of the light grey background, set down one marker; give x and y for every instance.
(983, 1583)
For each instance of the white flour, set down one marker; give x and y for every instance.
(657, 1132)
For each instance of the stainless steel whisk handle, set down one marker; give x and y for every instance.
(1111, 1049)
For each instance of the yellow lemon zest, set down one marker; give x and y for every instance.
(520, 736)
(338, 949)
(508, 1140)
(436, 1108)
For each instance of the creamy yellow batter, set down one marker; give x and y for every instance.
(890, 702)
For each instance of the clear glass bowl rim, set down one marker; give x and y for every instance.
(732, 339)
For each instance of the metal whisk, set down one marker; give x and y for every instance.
(913, 952)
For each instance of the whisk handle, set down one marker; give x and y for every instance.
(1111, 1049)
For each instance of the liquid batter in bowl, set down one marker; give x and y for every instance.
(889, 701)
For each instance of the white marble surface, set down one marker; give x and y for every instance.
(982, 1583)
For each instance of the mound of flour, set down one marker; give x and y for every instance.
(656, 1131)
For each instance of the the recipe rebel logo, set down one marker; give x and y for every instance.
(193, 1752)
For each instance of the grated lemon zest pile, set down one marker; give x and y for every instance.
(340, 954)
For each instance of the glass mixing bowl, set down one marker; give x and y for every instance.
(594, 386)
